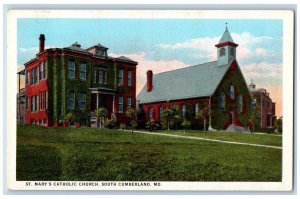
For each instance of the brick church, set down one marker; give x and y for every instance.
(219, 85)
(77, 80)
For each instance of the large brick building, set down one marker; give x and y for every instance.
(73, 79)
(264, 107)
(219, 85)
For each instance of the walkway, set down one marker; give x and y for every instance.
(207, 139)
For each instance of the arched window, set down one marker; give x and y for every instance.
(232, 92)
(222, 101)
(150, 113)
(197, 108)
(161, 111)
(232, 51)
(183, 110)
(240, 104)
(222, 52)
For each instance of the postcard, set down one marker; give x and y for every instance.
(194, 100)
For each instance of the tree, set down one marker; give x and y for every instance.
(169, 114)
(278, 125)
(203, 114)
(70, 117)
(255, 118)
(101, 114)
(132, 115)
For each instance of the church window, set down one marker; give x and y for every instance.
(222, 52)
(222, 101)
(183, 110)
(231, 51)
(240, 104)
(232, 92)
(150, 113)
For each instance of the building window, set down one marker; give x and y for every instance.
(45, 64)
(82, 100)
(46, 95)
(161, 112)
(71, 100)
(183, 111)
(253, 105)
(34, 103)
(129, 102)
(232, 92)
(150, 113)
(222, 101)
(41, 71)
(129, 78)
(102, 77)
(120, 104)
(240, 104)
(222, 52)
(27, 75)
(37, 103)
(121, 76)
(71, 69)
(197, 108)
(35, 76)
(83, 71)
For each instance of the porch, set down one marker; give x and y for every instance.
(102, 98)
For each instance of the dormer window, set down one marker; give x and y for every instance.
(101, 52)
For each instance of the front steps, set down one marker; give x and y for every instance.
(234, 128)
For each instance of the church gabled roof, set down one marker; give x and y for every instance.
(226, 37)
(190, 82)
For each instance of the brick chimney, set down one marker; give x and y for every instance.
(149, 80)
(42, 42)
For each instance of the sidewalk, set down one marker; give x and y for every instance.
(206, 139)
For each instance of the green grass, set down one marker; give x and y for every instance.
(110, 155)
(263, 139)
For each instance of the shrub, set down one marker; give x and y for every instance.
(186, 124)
(122, 126)
(110, 123)
(151, 125)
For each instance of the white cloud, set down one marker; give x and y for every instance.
(156, 66)
(248, 50)
(33, 49)
(262, 71)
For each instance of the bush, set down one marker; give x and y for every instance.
(151, 125)
(122, 126)
(186, 124)
(110, 123)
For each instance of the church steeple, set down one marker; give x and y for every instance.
(226, 48)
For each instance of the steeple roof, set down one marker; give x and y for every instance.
(226, 37)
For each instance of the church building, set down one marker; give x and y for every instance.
(218, 85)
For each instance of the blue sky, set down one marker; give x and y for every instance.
(166, 44)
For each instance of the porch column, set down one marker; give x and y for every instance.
(97, 100)
(113, 106)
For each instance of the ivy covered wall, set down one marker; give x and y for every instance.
(219, 117)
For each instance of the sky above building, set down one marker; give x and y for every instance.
(167, 44)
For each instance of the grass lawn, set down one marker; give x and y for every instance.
(110, 155)
(263, 139)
